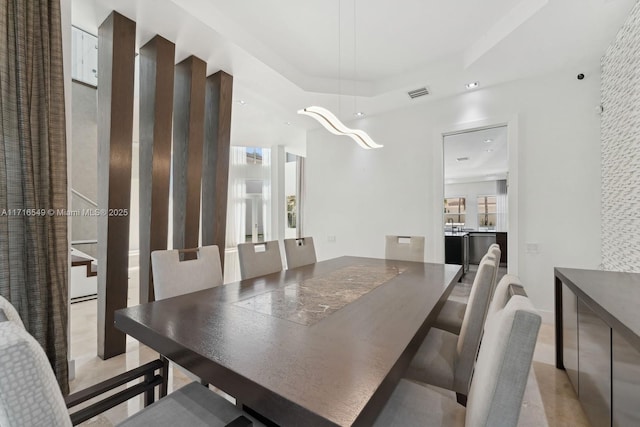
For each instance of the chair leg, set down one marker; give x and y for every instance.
(149, 395)
(165, 377)
(462, 399)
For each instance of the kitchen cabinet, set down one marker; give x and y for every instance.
(456, 249)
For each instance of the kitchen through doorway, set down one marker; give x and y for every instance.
(476, 194)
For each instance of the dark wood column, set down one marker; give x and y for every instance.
(116, 54)
(188, 134)
(215, 173)
(156, 109)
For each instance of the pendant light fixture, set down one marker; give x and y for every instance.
(325, 117)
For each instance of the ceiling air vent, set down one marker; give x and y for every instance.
(418, 92)
(462, 159)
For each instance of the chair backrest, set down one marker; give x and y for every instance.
(29, 392)
(172, 277)
(404, 248)
(10, 312)
(503, 365)
(472, 325)
(496, 253)
(299, 252)
(258, 259)
(501, 294)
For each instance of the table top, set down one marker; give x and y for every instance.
(323, 344)
(613, 295)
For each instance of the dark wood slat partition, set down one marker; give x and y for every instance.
(188, 135)
(156, 109)
(215, 173)
(116, 54)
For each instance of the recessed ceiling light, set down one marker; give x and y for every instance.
(241, 102)
(287, 123)
(472, 85)
(462, 159)
(488, 150)
(359, 114)
(488, 140)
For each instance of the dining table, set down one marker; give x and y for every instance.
(320, 345)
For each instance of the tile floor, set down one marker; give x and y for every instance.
(560, 403)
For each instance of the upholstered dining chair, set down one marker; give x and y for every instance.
(172, 277)
(299, 252)
(9, 312)
(452, 313)
(445, 359)
(498, 385)
(258, 259)
(30, 396)
(404, 248)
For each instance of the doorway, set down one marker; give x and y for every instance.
(476, 194)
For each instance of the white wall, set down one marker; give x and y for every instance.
(358, 195)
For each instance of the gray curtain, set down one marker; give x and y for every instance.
(33, 173)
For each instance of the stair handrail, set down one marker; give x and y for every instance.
(85, 198)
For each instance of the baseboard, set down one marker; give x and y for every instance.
(548, 316)
(72, 369)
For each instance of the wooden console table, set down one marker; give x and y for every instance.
(598, 342)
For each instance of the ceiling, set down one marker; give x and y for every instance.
(288, 54)
(485, 152)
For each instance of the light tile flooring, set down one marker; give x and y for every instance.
(560, 403)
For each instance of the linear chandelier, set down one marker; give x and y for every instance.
(336, 127)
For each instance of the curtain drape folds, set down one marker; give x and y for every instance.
(33, 174)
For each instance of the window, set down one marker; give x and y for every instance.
(487, 213)
(254, 156)
(455, 211)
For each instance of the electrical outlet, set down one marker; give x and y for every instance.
(532, 248)
(331, 238)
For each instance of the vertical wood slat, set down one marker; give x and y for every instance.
(116, 52)
(156, 109)
(215, 174)
(188, 135)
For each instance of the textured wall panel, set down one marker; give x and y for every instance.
(621, 148)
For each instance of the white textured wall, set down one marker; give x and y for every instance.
(358, 195)
(621, 149)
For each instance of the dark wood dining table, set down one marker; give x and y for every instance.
(319, 345)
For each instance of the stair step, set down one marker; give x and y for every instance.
(77, 261)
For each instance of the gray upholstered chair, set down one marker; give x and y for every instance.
(496, 253)
(499, 381)
(502, 292)
(9, 312)
(30, 396)
(169, 272)
(404, 248)
(299, 252)
(259, 259)
(452, 313)
(445, 359)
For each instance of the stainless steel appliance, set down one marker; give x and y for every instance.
(479, 244)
